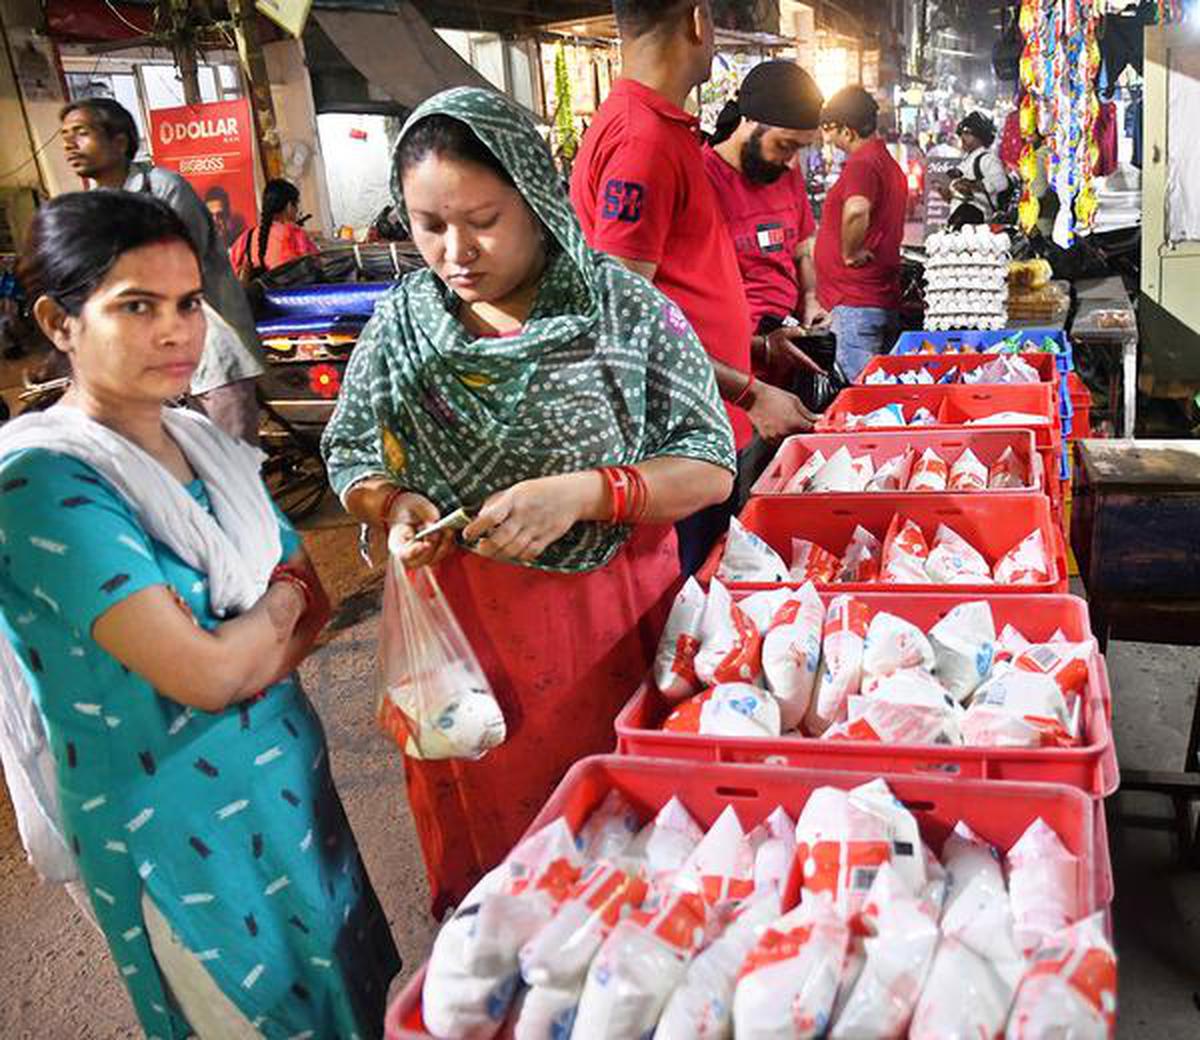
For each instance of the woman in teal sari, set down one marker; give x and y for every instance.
(570, 408)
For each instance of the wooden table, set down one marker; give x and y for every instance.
(1135, 530)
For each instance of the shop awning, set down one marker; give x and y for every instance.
(397, 53)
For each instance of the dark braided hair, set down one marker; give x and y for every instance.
(276, 197)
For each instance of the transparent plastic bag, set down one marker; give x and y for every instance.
(434, 700)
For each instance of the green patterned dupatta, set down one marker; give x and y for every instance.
(605, 371)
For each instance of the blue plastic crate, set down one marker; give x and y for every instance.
(913, 342)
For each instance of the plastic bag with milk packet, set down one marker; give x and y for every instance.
(792, 654)
(1069, 988)
(675, 661)
(720, 868)
(761, 607)
(787, 985)
(472, 973)
(907, 707)
(888, 416)
(811, 562)
(702, 1005)
(730, 644)
(964, 645)
(843, 639)
(1042, 875)
(434, 701)
(748, 558)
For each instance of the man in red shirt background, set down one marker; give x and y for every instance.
(751, 161)
(642, 196)
(862, 227)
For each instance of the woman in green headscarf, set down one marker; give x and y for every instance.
(570, 408)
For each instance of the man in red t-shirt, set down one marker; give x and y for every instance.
(642, 196)
(751, 162)
(862, 226)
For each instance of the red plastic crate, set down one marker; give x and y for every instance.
(954, 406)
(1081, 403)
(998, 813)
(1091, 768)
(882, 445)
(993, 525)
(939, 364)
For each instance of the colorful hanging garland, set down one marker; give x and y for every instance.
(1059, 68)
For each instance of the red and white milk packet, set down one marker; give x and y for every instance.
(810, 562)
(792, 654)
(904, 553)
(843, 638)
(955, 561)
(1069, 988)
(730, 643)
(968, 473)
(798, 482)
(893, 644)
(675, 660)
(964, 646)
(1064, 662)
(1025, 563)
(1008, 473)
(860, 562)
(774, 845)
(728, 710)
(893, 474)
(929, 473)
(1042, 877)
(843, 473)
(1019, 709)
(748, 558)
(788, 983)
(639, 966)
(963, 996)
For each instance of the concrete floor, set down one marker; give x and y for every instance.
(56, 980)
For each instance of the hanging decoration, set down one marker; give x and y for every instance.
(1059, 109)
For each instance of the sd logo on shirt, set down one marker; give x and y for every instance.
(623, 201)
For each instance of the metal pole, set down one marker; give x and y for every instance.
(254, 72)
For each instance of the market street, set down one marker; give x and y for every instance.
(57, 980)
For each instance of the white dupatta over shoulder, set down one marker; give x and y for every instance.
(237, 551)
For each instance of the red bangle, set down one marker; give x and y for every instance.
(628, 493)
(736, 402)
(639, 496)
(393, 497)
(286, 573)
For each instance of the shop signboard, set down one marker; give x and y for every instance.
(939, 171)
(212, 147)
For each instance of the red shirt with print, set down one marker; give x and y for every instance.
(768, 222)
(872, 173)
(640, 192)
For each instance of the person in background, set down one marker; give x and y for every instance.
(151, 625)
(641, 194)
(568, 406)
(228, 223)
(101, 140)
(978, 191)
(278, 238)
(760, 187)
(862, 227)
